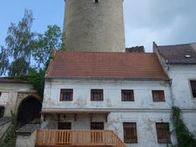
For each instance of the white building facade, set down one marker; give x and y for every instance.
(179, 61)
(130, 106)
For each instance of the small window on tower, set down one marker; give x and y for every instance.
(96, 1)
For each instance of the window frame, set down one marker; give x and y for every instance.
(163, 140)
(191, 89)
(100, 91)
(131, 140)
(62, 91)
(160, 99)
(124, 91)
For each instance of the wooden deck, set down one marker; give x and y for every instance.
(78, 138)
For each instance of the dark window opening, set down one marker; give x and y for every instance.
(127, 95)
(2, 110)
(97, 125)
(64, 138)
(0, 93)
(163, 133)
(96, 95)
(158, 96)
(193, 87)
(97, 137)
(130, 132)
(96, 1)
(64, 125)
(66, 95)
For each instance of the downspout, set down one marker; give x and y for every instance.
(172, 105)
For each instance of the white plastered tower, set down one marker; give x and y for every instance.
(94, 25)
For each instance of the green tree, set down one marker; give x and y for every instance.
(44, 44)
(4, 62)
(18, 46)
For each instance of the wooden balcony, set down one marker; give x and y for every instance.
(78, 138)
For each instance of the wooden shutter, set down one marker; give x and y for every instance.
(163, 134)
(130, 132)
(158, 96)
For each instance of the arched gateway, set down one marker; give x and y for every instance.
(28, 107)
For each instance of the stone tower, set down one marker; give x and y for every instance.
(94, 25)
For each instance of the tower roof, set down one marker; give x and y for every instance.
(105, 65)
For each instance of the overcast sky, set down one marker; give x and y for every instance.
(164, 21)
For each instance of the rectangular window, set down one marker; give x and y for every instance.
(0, 93)
(127, 95)
(97, 137)
(97, 95)
(64, 125)
(97, 125)
(130, 132)
(163, 133)
(158, 96)
(193, 87)
(66, 95)
(64, 138)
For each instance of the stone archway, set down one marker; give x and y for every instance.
(28, 109)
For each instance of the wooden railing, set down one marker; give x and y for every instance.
(78, 138)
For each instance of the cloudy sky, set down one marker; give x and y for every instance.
(163, 21)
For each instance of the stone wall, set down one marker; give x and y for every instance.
(4, 126)
(26, 140)
(12, 94)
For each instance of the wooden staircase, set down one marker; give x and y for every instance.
(78, 138)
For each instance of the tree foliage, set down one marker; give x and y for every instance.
(27, 54)
(18, 46)
(184, 137)
(44, 44)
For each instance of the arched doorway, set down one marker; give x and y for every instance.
(29, 110)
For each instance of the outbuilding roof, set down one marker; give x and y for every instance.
(107, 65)
(179, 54)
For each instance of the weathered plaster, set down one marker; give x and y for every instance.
(95, 27)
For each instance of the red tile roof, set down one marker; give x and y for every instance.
(105, 65)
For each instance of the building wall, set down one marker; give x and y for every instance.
(181, 88)
(9, 94)
(26, 141)
(145, 120)
(94, 27)
(143, 110)
(182, 93)
(112, 94)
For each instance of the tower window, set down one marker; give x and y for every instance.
(96, 1)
